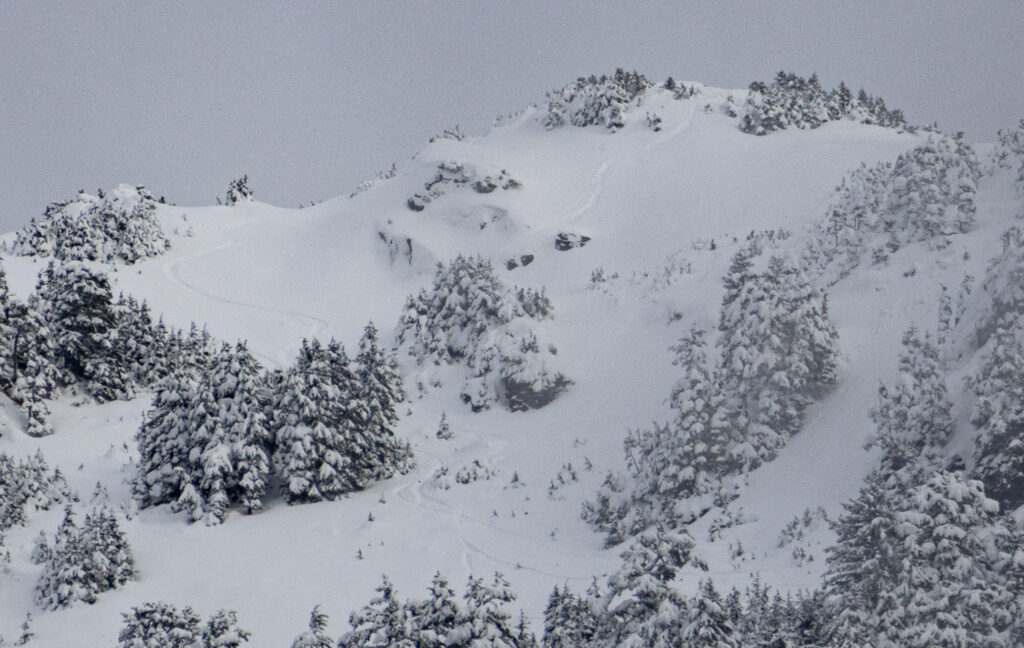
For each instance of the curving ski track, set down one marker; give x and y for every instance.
(174, 271)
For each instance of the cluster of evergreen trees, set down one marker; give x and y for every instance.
(778, 351)
(793, 101)
(324, 427)
(469, 316)
(162, 625)
(927, 195)
(119, 225)
(435, 622)
(594, 101)
(72, 332)
(27, 486)
(83, 563)
(924, 559)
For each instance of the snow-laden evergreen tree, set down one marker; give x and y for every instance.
(950, 590)
(861, 563)
(164, 442)
(928, 566)
(76, 301)
(594, 101)
(707, 625)
(641, 608)
(469, 317)
(1000, 302)
(207, 440)
(209, 466)
(778, 352)
(434, 618)
(236, 376)
(221, 631)
(672, 462)
(999, 418)
(384, 622)
(1009, 152)
(118, 225)
(913, 417)
(374, 449)
(41, 551)
(65, 580)
(444, 431)
(569, 621)
(239, 191)
(85, 562)
(484, 621)
(316, 636)
(108, 560)
(314, 426)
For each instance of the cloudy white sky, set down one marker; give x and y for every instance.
(309, 98)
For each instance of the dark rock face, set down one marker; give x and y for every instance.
(567, 241)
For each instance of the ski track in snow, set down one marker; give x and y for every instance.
(174, 271)
(590, 198)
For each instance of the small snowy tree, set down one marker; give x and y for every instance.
(316, 636)
(383, 622)
(239, 191)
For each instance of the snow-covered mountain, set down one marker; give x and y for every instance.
(622, 213)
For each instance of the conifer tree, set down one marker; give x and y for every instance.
(434, 618)
(77, 302)
(862, 562)
(999, 417)
(313, 432)
(316, 636)
(913, 418)
(222, 631)
(707, 625)
(164, 442)
(484, 622)
(640, 604)
(64, 579)
(373, 448)
(108, 560)
(383, 622)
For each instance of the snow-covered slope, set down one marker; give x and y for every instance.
(651, 204)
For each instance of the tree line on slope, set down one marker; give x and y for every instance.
(927, 195)
(788, 101)
(778, 351)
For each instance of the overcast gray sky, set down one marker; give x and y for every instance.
(310, 98)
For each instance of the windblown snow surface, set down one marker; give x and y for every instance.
(651, 203)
